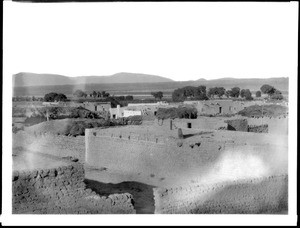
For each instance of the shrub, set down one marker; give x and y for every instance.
(180, 112)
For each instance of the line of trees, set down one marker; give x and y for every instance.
(95, 94)
(200, 93)
(190, 92)
(33, 98)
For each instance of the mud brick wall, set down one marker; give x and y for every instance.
(237, 125)
(259, 129)
(152, 157)
(255, 196)
(61, 190)
(201, 123)
(276, 125)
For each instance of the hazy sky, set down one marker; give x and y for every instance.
(181, 41)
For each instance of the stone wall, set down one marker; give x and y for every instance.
(254, 196)
(61, 190)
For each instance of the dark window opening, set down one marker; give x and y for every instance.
(189, 125)
(220, 109)
(114, 116)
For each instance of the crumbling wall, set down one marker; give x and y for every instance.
(255, 196)
(258, 129)
(61, 190)
(276, 125)
(237, 125)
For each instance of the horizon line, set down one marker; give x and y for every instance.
(122, 72)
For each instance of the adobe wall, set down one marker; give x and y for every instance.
(201, 123)
(258, 128)
(276, 125)
(131, 153)
(237, 125)
(212, 107)
(254, 196)
(61, 190)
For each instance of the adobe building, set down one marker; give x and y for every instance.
(97, 106)
(43, 184)
(221, 107)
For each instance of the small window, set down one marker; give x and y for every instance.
(114, 116)
(189, 125)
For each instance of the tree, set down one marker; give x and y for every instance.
(242, 93)
(248, 95)
(60, 97)
(158, 95)
(129, 98)
(191, 92)
(49, 97)
(99, 94)
(121, 98)
(234, 92)
(106, 94)
(178, 95)
(258, 94)
(218, 91)
(277, 95)
(79, 93)
(267, 89)
(94, 93)
(227, 93)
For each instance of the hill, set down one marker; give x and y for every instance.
(32, 79)
(29, 84)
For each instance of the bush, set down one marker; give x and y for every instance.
(180, 112)
(258, 94)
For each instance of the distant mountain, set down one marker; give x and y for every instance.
(31, 79)
(29, 84)
(201, 80)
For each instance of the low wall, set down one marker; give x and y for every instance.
(258, 129)
(153, 156)
(255, 196)
(61, 190)
(278, 125)
(237, 125)
(200, 123)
